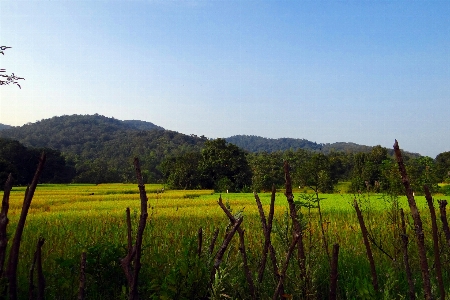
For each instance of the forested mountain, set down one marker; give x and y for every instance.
(104, 147)
(256, 144)
(72, 133)
(3, 126)
(96, 149)
(141, 125)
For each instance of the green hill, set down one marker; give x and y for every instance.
(105, 147)
(102, 149)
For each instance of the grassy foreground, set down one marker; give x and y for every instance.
(77, 218)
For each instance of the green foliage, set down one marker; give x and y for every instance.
(73, 218)
(267, 170)
(443, 166)
(367, 169)
(21, 162)
(219, 166)
(104, 275)
(224, 167)
(181, 172)
(186, 278)
(446, 190)
(422, 171)
(315, 173)
(390, 180)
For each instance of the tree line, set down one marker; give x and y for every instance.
(21, 162)
(223, 166)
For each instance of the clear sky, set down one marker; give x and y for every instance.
(366, 72)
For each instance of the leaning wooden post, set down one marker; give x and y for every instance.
(219, 256)
(296, 224)
(285, 266)
(82, 286)
(4, 221)
(13, 260)
(200, 242)
(40, 274)
(133, 258)
(445, 227)
(365, 235)
(417, 224)
(334, 272)
(248, 273)
(267, 229)
(437, 257)
(404, 237)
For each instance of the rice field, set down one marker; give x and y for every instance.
(76, 218)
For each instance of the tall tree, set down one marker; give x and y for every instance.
(443, 166)
(315, 173)
(181, 172)
(422, 171)
(224, 167)
(267, 170)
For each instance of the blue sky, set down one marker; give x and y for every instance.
(366, 72)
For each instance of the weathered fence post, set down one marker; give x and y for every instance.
(417, 224)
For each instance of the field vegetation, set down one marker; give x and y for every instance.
(75, 218)
(325, 225)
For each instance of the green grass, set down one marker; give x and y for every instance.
(76, 218)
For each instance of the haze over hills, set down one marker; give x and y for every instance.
(4, 126)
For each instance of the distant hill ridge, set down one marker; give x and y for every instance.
(65, 132)
(254, 143)
(4, 126)
(89, 135)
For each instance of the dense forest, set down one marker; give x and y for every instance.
(102, 149)
(21, 162)
(97, 149)
(253, 143)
